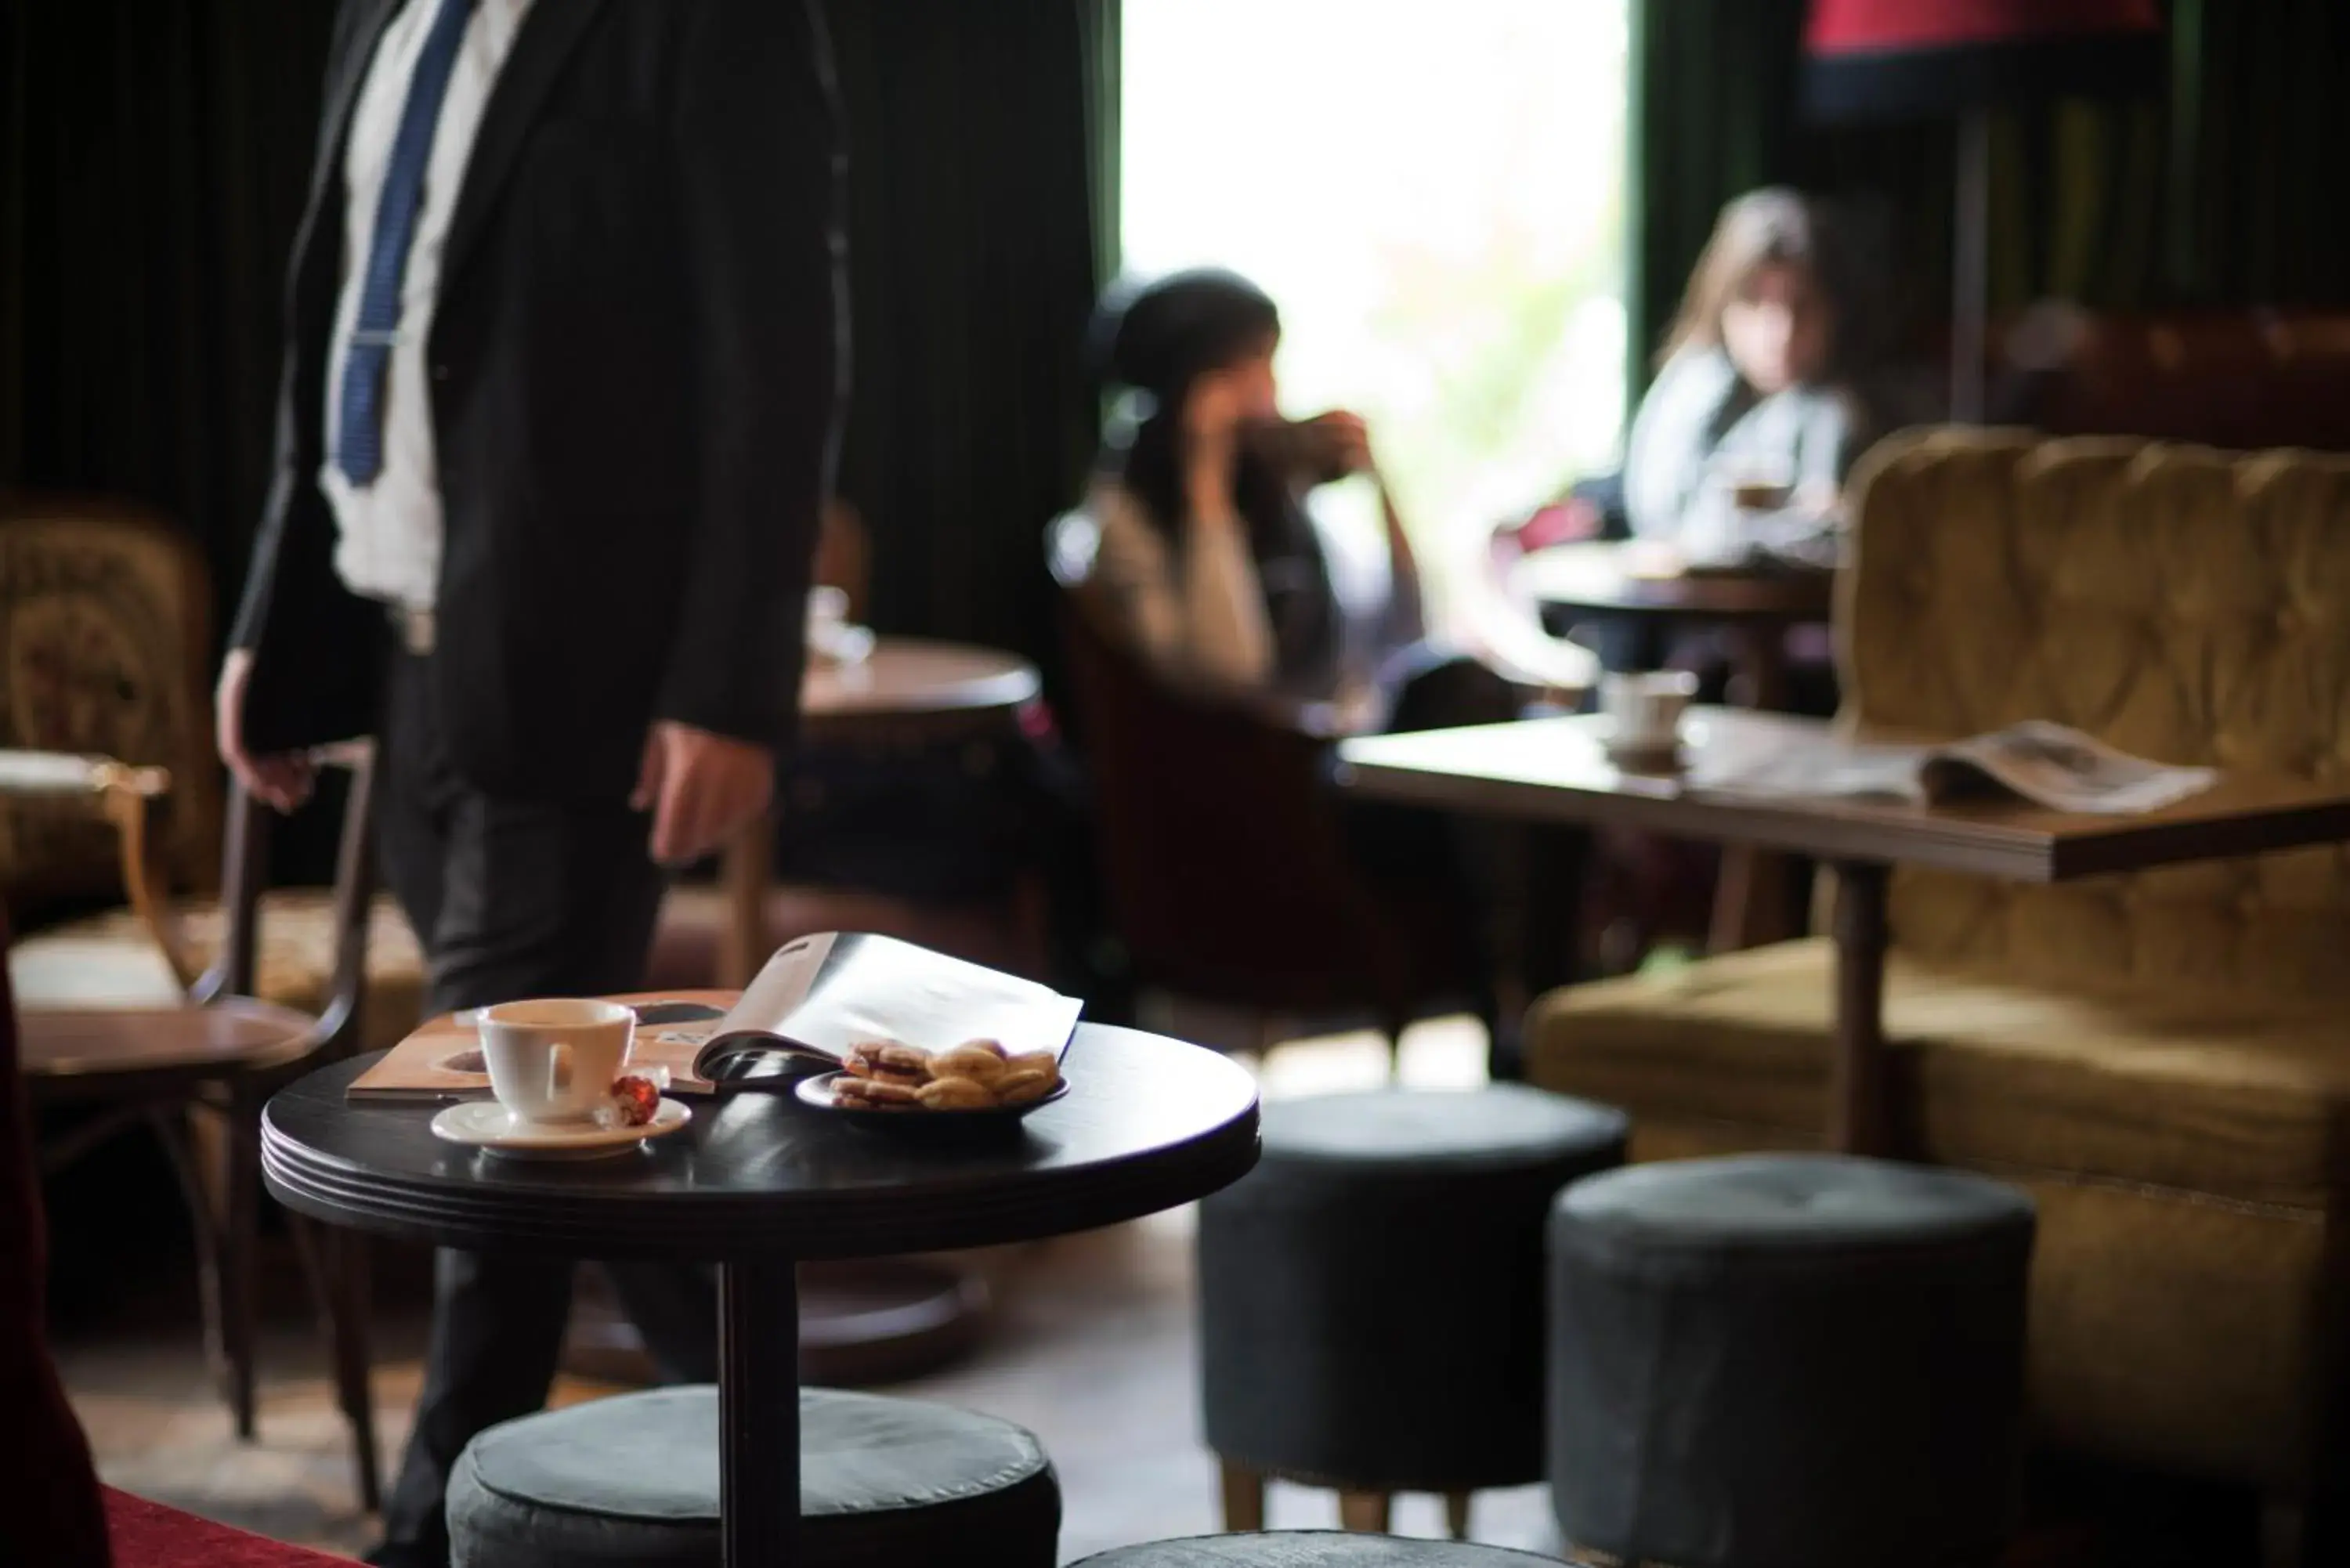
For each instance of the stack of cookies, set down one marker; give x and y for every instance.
(976, 1076)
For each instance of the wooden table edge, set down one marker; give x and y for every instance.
(1945, 842)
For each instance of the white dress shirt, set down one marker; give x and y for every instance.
(389, 529)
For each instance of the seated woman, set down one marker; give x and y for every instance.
(1754, 421)
(1210, 560)
(1210, 554)
(1740, 451)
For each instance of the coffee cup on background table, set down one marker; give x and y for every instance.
(1644, 710)
(1756, 483)
(832, 637)
(554, 1060)
(1761, 495)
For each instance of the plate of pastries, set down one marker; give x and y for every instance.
(889, 1085)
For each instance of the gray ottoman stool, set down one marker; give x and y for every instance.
(1311, 1549)
(633, 1481)
(1371, 1294)
(1787, 1361)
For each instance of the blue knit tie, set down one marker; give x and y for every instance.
(359, 441)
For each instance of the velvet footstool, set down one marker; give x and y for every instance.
(632, 1483)
(1787, 1361)
(1371, 1294)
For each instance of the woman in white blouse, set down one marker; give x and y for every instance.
(1210, 558)
(1208, 552)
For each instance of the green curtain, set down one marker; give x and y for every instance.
(153, 161)
(1105, 53)
(2222, 190)
(983, 177)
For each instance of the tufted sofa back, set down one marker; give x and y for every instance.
(2189, 605)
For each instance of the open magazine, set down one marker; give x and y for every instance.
(813, 999)
(2046, 764)
(822, 995)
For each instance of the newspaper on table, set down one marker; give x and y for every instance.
(2047, 763)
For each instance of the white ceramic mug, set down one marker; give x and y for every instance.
(1644, 708)
(554, 1060)
(830, 635)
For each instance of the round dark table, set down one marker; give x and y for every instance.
(907, 687)
(908, 681)
(1622, 580)
(758, 1181)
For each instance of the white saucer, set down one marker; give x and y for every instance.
(485, 1124)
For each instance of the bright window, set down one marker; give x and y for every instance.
(1433, 194)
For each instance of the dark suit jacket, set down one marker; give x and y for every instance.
(636, 363)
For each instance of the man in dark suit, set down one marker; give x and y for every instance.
(561, 382)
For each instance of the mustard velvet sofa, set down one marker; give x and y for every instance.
(2162, 1059)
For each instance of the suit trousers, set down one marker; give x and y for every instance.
(512, 899)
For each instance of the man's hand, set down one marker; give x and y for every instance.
(700, 788)
(281, 781)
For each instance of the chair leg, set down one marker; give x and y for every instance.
(1456, 1515)
(1267, 1030)
(1243, 1498)
(240, 1239)
(1364, 1513)
(336, 1262)
(1391, 1028)
(173, 1129)
(355, 1360)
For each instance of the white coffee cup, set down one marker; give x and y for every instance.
(830, 635)
(554, 1060)
(1644, 709)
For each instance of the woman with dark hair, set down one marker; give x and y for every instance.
(1209, 551)
(1210, 554)
(1754, 421)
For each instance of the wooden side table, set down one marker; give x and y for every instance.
(1555, 770)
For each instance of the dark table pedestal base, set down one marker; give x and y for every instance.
(758, 1414)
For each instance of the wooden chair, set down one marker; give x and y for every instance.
(106, 632)
(57, 1514)
(1228, 872)
(196, 1074)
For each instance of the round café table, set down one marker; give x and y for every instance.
(1629, 580)
(906, 688)
(758, 1181)
(1636, 581)
(908, 681)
